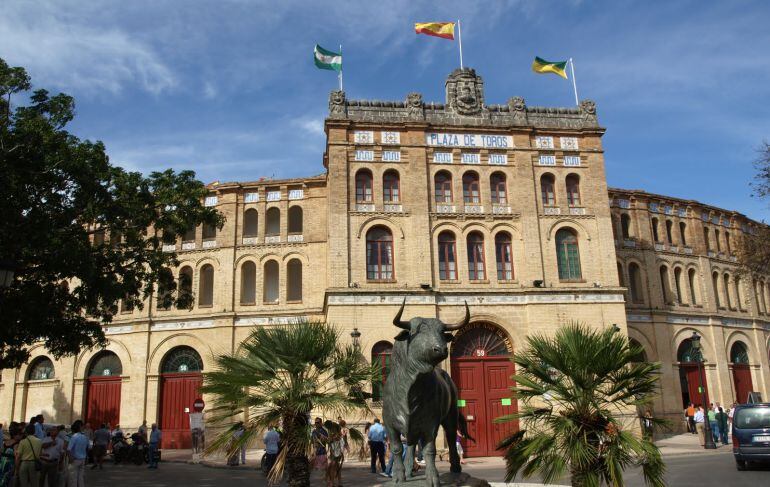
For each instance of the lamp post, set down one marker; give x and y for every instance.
(698, 356)
(356, 336)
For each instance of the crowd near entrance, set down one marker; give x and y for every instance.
(180, 381)
(481, 369)
(103, 390)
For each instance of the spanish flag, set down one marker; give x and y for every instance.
(445, 30)
(542, 66)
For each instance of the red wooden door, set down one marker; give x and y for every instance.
(742, 381)
(103, 401)
(497, 374)
(692, 378)
(178, 392)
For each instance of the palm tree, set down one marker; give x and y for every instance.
(280, 376)
(576, 390)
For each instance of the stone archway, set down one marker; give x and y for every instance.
(103, 384)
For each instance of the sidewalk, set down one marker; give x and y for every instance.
(687, 444)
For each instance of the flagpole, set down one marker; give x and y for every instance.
(574, 84)
(460, 41)
(340, 75)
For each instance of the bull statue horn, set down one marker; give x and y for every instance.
(397, 320)
(461, 324)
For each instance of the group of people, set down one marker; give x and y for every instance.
(330, 443)
(36, 454)
(719, 420)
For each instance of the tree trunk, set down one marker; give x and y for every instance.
(298, 471)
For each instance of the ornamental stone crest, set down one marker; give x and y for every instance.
(518, 109)
(588, 111)
(414, 106)
(465, 92)
(337, 104)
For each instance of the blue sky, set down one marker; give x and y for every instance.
(228, 88)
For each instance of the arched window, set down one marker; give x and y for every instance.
(381, 354)
(728, 298)
(498, 188)
(655, 235)
(295, 220)
(209, 232)
(683, 233)
(547, 191)
(739, 294)
(757, 297)
(678, 283)
(270, 285)
(635, 283)
(41, 369)
(614, 222)
(443, 187)
(185, 288)
(273, 222)
(641, 355)
(665, 285)
(250, 223)
(206, 286)
(248, 283)
(105, 364)
(391, 187)
(573, 190)
(715, 282)
(717, 240)
(189, 235)
(739, 354)
(625, 225)
(504, 256)
(379, 254)
(568, 255)
(686, 353)
(669, 231)
(621, 279)
(364, 193)
(476, 269)
(447, 256)
(728, 244)
(471, 192)
(181, 360)
(165, 288)
(706, 239)
(693, 283)
(294, 281)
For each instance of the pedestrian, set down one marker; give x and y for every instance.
(51, 457)
(345, 434)
(319, 438)
(27, 458)
(8, 454)
(377, 445)
(389, 470)
(64, 465)
(240, 432)
(235, 450)
(689, 415)
(143, 430)
(336, 456)
(700, 425)
(647, 424)
(364, 453)
(89, 434)
(155, 437)
(712, 419)
(77, 452)
(271, 440)
(459, 446)
(101, 441)
(730, 414)
(39, 430)
(721, 417)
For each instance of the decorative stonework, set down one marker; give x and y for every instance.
(337, 104)
(465, 92)
(414, 106)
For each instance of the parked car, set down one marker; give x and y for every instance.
(751, 434)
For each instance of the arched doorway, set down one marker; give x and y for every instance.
(482, 370)
(739, 360)
(103, 383)
(180, 382)
(689, 375)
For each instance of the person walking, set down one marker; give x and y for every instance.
(721, 418)
(318, 438)
(336, 456)
(238, 435)
(712, 419)
(101, 442)
(143, 430)
(689, 415)
(64, 463)
(77, 452)
(647, 424)
(271, 440)
(51, 458)
(700, 425)
(27, 457)
(154, 444)
(377, 445)
(8, 455)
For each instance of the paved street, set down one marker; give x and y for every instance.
(694, 469)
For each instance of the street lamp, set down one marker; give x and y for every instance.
(697, 355)
(356, 336)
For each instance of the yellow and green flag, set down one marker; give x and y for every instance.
(542, 66)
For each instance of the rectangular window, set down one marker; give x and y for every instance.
(364, 155)
(498, 159)
(442, 157)
(572, 161)
(544, 142)
(470, 158)
(363, 137)
(390, 138)
(476, 271)
(379, 258)
(391, 156)
(251, 197)
(547, 160)
(504, 262)
(447, 266)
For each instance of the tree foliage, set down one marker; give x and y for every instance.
(279, 377)
(80, 233)
(574, 389)
(754, 251)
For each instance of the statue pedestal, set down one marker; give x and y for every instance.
(448, 479)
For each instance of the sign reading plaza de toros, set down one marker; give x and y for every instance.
(484, 141)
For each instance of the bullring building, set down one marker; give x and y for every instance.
(505, 206)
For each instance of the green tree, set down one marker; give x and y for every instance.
(281, 376)
(80, 233)
(754, 246)
(574, 389)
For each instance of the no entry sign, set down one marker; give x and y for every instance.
(198, 405)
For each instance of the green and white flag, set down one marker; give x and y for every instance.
(327, 59)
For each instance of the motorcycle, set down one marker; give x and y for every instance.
(120, 448)
(139, 452)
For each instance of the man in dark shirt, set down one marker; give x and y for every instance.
(101, 442)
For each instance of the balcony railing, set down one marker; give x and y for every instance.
(365, 207)
(169, 247)
(188, 245)
(687, 250)
(577, 210)
(474, 209)
(630, 243)
(552, 210)
(249, 241)
(392, 208)
(501, 209)
(209, 244)
(444, 208)
(269, 239)
(674, 248)
(296, 238)
(660, 247)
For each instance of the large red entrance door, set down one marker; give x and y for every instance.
(689, 377)
(742, 381)
(103, 390)
(179, 391)
(180, 384)
(481, 369)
